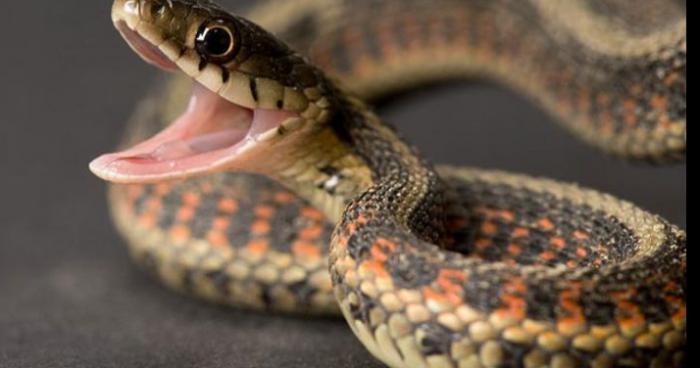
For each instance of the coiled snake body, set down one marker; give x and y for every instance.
(431, 267)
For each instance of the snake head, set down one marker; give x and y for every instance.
(254, 99)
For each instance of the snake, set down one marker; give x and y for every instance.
(260, 177)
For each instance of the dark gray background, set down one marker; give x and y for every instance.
(69, 295)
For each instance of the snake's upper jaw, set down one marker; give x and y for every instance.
(214, 134)
(147, 51)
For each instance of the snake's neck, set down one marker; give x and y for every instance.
(355, 158)
(326, 172)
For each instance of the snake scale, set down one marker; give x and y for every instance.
(278, 172)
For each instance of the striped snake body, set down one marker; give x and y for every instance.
(236, 201)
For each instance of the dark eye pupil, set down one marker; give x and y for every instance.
(217, 41)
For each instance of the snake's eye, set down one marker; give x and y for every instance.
(216, 41)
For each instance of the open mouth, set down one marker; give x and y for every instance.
(211, 132)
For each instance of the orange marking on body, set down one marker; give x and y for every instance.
(680, 314)
(162, 189)
(545, 224)
(376, 267)
(664, 121)
(569, 302)
(306, 249)
(580, 235)
(634, 320)
(581, 252)
(671, 79)
(630, 117)
(482, 243)
(311, 232)
(603, 100)
(515, 307)
(622, 294)
(350, 228)
(217, 238)
(515, 285)
(260, 227)
(507, 215)
(547, 255)
(206, 187)
(386, 243)
(565, 103)
(659, 102)
(154, 204)
(191, 198)
(636, 89)
(457, 223)
(453, 274)
(571, 263)
(264, 211)
(436, 30)
(134, 191)
(257, 246)
(411, 30)
(507, 312)
(568, 323)
(363, 65)
(312, 213)
(147, 220)
(489, 228)
(227, 205)
(381, 248)
(629, 314)
(557, 242)
(514, 249)
(284, 197)
(606, 123)
(521, 232)
(485, 28)
(185, 214)
(220, 223)
(361, 219)
(670, 286)
(584, 100)
(674, 302)
(377, 254)
(386, 38)
(512, 298)
(180, 232)
(450, 281)
(487, 212)
(432, 294)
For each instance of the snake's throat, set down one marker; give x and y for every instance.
(209, 135)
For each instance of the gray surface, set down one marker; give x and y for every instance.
(69, 297)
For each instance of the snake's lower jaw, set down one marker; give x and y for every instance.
(213, 135)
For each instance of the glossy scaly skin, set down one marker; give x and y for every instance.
(541, 273)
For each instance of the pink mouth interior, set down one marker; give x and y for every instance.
(209, 133)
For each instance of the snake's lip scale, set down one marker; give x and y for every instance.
(145, 49)
(214, 132)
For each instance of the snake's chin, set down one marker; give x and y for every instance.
(211, 134)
